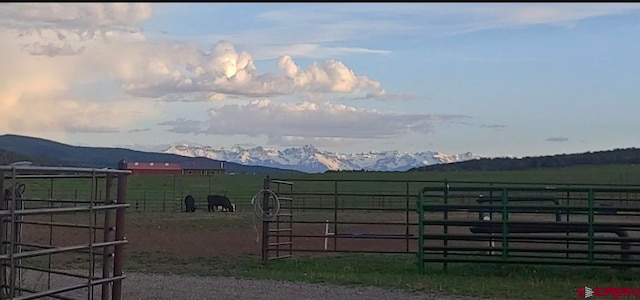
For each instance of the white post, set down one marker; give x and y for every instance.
(492, 244)
(326, 234)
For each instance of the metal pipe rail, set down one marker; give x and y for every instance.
(438, 183)
(59, 250)
(113, 279)
(60, 210)
(42, 170)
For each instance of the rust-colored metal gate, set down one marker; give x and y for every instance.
(277, 229)
(56, 245)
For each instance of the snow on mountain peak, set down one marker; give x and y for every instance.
(309, 159)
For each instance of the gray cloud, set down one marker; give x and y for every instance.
(557, 139)
(188, 97)
(493, 126)
(308, 120)
(73, 15)
(461, 123)
(182, 125)
(145, 147)
(51, 49)
(90, 129)
(384, 96)
(62, 29)
(296, 141)
(139, 130)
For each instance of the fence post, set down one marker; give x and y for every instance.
(144, 201)
(591, 220)
(265, 222)
(108, 228)
(407, 217)
(174, 192)
(174, 201)
(445, 265)
(164, 201)
(505, 228)
(335, 215)
(420, 209)
(121, 197)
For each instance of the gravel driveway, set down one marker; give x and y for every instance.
(168, 287)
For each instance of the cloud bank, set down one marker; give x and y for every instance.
(51, 50)
(283, 123)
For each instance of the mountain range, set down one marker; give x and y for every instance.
(44, 152)
(309, 159)
(50, 153)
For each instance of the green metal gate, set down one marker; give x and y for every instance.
(529, 224)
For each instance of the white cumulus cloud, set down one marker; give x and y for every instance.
(51, 50)
(225, 70)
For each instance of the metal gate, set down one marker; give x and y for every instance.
(521, 223)
(42, 230)
(277, 229)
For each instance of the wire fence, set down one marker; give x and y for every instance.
(168, 197)
(172, 201)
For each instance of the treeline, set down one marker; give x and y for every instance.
(7, 157)
(616, 156)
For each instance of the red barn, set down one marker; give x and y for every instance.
(154, 168)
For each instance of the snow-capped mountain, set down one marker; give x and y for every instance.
(309, 159)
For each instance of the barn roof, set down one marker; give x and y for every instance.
(153, 166)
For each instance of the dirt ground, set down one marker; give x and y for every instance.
(220, 234)
(223, 234)
(237, 235)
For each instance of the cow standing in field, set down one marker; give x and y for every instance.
(213, 201)
(189, 203)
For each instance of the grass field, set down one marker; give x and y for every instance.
(225, 244)
(165, 192)
(397, 272)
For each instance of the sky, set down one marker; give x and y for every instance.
(494, 79)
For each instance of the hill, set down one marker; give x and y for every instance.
(100, 157)
(8, 157)
(607, 157)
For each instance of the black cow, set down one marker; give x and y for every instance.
(189, 203)
(213, 201)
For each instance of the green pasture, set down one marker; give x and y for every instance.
(165, 193)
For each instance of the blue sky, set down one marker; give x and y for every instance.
(494, 79)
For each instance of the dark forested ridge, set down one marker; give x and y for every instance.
(46, 152)
(616, 156)
(8, 157)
